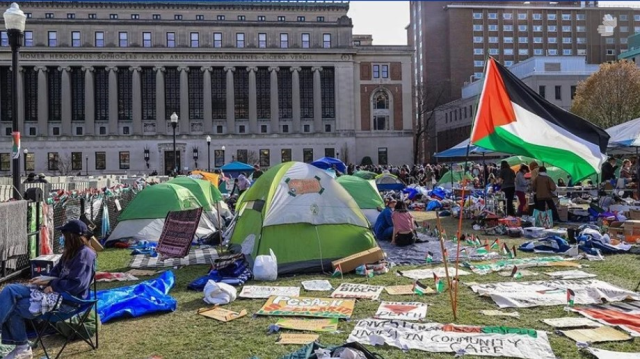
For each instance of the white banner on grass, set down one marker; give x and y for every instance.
(427, 273)
(570, 274)
(256, 291)
(317, 285)
(402, 310)
(553, 292)
(359, 291)
(439, 338)
(607, 354)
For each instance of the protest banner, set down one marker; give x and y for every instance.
(308, 307)
(440, 338)
(297, 338)
(263, 292)
(607, 354)
(427, 273)
(596, 335)
(359, 291)
(317, 285)
(571, 322)
(405, 290)
(626, 315)
(313, 325)
(553, 292)
(402, 310)
(483, 268)
(570, 274)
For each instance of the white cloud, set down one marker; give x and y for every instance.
(385, 20)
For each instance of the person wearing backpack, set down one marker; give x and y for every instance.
(544, 186)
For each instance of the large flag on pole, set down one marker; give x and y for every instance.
(513, 118)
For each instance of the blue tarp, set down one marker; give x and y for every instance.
(150, 296)
(327, 162)
(460, 150)
(236, 166)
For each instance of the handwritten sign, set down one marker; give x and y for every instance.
(402, 310)
(297, 338)
(303, 186)
(256, 291)
(359, 291)
(441, 338)
(312, 325)
(307, 307)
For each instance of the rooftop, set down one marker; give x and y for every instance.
(339, 3)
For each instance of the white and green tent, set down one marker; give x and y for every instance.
(302, 214)
(365, 193)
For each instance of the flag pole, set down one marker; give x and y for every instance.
(446, 266)
(459, 236)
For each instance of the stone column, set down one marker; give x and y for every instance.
(317, 100)
(206, 101)
(65, 106)
(89, 102)
(43, 101)
(160, 115)
(136, 103)
(295, 90)
(253, 101)
(183, 125)
(275, 113)
(113, 100)
(231, 114)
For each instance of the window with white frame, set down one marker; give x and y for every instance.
(75, 39)
(242, 17)
(156, 16)
(507, 27)
(552, 40)
(522, 27)
(523, 52)
(610, 40)
(508, 40)
(566, 17)
(478, 51)
(624, 28)
(71, 16)
(581, 28)
(99, 39)
(537, 52)
(523, 40)
(477, 39)
(171, 39)
(4, 39)
(567, 52)
(552, 52)
(493, 52)
(262, 40)
(636, 17)
(552, 28)
(282, 18)
(478, 63)
(581, 40)
(194, 39)
(477, 15)
(522, 16)
(123, 39)
(552, 17)
(508, 52)
(240, 40)
(624, 40)
(611, 52)
(636, 29)
(566, 29)
(566, 40)
(217, 39)
(113, 16)
(28, 38)
(580, 17)
(537, 40)
(305, 40)
(262, 18)
(284, 41)
(177, 17)
(508, 63)
(381, 111)
(220, 17)
(493, 15)
(582, 52)
(199, 17)
(537, 28)
(624, 18)
(301, 19)
(493, 27)
(320, 19)
(493, 40)
(537, 16)
(507, 16)
(326, 41)
(477, 27)
(146, 39)
(478, 75)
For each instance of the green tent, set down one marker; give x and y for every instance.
(364, 192)
(306, 217)
(206, 193)
(365, 174)
(457, 177)
(157, 200)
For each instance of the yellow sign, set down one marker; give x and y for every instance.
(312, 325)
(297, 338)
(308, 307)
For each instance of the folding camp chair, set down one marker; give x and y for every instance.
(67, 308)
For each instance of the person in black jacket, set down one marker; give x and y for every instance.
(609, 170)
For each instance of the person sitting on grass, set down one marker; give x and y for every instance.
(383, 229)
(403, 226)
(73, 275)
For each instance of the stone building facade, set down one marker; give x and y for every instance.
(270, 81)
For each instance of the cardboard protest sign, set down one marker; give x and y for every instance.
(313, 325)
(441, 338)
(570, 274)
(427, 273)
(405, 290)
(308, 307)
(497, 313)
(596, 335)
(256, 291)
(553, 292)
(360, 291)
(625, 315)
(317, 285)
(402, 310)
(508, 264)
(608, 354)
(220, 314)
(571, 322)
(297, 338)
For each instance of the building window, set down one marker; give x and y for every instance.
(552, 40)
(219, 93)
(241, 18)
(327, 90)
(28, 15)
(636, 17)
(76, 161)
(171, 39)
(327, 128)
(508, 40)
(156, 17)
(477, 28)
(477, 15)
(537, 16)
(284, 41)
(6, 94)
(552, 52)
(102, 130)
(558, 90)
(306, 42)
(56, 131)
(219, 129)
(285, 155)
(573, 91)
(376, 71)
(265, 158)
(493, 16)
(382, 156)
(172, 91)
(263, 129)
(320, 19)
(493, 40)
(507, 64)
(552, 28)
(523, 40)
(196, 104)
(99, 39)
(522, 28)
(199, 17)
(75, 38)
(113, 16)
(566, 17)
(242, 129)
(101, 160)
(30, 162)
(4, 39)
(522, 16)
(566, 40)
(217, 39)
(77, 94)
(523, 52)
(262, 18)
(326, 41)
(494, 51)
(71, 16)
(146, 39)
(135, 16)
(537, 52)
(263, 93)
(262, 40)
(30, 83)
(126, 130)
(177, 17)
(54, 84)
(93, 16)
(53, 39)
(301, 19)
(478, 39)
(285, 128)
(241, 93)
(307, 155)
(28, 38)
(537, 28)
(125, 94)
(48, 15)
(610, 40)
(381, 102)
(195, 39)
(552, 17)
(79, 131)
(123, 39)
(285, 96)
(220, 18)
(478, 63)
(624, 28)
(281, 18)
(306, 128)
(123, 159)
(537, 40)
(330, 152)
(306, 93)
(611, 52)
(148, 92)
(566, 29)
(5, 161)
(507, 16)
(52, 161)
(495, 28)
(582, 17)
(581, 28)
(624, 40)
(478, 51)
(240, 40)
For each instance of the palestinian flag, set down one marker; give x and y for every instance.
(571, 297)
(337, 271)
(419, 288)
(495, 244)
(367, 272)
(515, 273)
(514, 251)
(478, 243)
(439, 284)
(512, 118)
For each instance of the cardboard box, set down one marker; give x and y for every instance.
(633, 214)
(563, 213)
(44, 264)
(95, 244)
(632, 231)
(351, 262)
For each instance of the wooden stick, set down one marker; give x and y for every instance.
(455, 297)
(446, 266)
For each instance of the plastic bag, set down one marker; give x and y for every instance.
(265, 267)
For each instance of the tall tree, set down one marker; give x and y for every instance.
(609, 96)
(427, 102)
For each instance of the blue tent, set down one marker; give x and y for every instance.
(327, 162)
(235, 168)
(460, 150)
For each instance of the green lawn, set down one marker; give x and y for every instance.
(184, 334)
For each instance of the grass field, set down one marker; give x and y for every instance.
(184, 334)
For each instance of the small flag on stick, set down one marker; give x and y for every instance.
(419, 288)
(495, 244)
(506, 251)
(439, 284)
(515, 273)
(337, 271)
(514, 251)
(429, 257)
(571, 297)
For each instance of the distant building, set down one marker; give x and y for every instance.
(553, 77)
(633, 54)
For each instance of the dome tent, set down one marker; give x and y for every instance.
(207, 194)
(302, 214)
(365, 193)
(144, 217)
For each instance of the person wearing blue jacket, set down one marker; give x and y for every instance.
(383, 229)
(73, 274)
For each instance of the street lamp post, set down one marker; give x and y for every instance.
(174, 123)
(86, 162)
(208, 153)
(14, 22)
(223, 148)
(26, 152)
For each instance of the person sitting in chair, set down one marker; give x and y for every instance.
(383, 229)
(73, 275)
